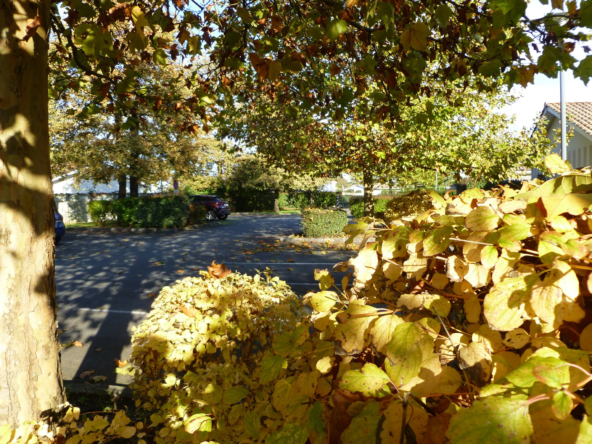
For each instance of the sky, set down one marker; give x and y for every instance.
(545, 90)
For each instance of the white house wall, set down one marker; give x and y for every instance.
(579, 147)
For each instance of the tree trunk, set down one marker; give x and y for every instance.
(122, 186)
(134, 189)
(30, 376)
(368, 194)
(390, 184)
(276, 201)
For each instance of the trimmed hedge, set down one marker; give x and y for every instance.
(356, 205)
(321, 223)
(298, 199)
(197, 212)
(154, 212)
(99, 210)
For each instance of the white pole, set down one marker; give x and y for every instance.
(436, 181)
(563, 131)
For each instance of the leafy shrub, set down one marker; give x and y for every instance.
(158, 212)
(202, 359)
(356, 205)
(125, 210)
(100, 210)
(410, 204)
(321, 223)
(321, 199)
(196, 213)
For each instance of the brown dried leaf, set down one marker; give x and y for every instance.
(218, 271)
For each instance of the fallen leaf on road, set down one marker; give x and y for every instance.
(98, 378)
(290, 260)
(77, 344)
(180, 271)
(290, 269)
(85, 374)
(194, 269)
(120, 363)
(157, 263)
(151, 295)
(98, 349)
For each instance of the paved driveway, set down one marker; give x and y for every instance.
(104, 280)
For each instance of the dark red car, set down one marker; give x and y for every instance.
(215, 207)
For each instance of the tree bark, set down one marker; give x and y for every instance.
(30, 376)
(134, 188)
(122, 186)
(368, 194)
(276, 201)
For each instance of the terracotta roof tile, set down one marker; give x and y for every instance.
(579, 113)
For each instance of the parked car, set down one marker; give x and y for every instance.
(60, 227)
(215, 207)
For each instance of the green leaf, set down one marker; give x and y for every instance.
(275, 68)
(159, 57)
(482, 219)
(416, 37)
(200, 422)
(404, 354)
(368, 381)
(489, 256)
(436, 241)
(364, 426)
(524, 375)
(492, 421)
(443, 14)
(289, 434)
(552, 372)
(562, 405)
(336, 27)
(288, 341)
(271, 367)
(234, 395)
(252, 424)
(315, 418)
(491, 69)
(323, 301)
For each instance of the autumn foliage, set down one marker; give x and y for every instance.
(467, 324)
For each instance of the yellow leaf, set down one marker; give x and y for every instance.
(475, 360)
(450, 381)
(546, 302)
(416, 419)
(478, 276)
(517, 338)
(504, 305)
(440, 281)
(416, 37)
(456, 268)
(555, 164)
(383, 330)
(392, 271)
(472, 308)
(482, 219)
(586, 338)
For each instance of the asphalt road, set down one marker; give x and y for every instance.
(104, 280)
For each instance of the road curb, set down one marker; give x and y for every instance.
(99, 389)
(139, 230)
(315, 240)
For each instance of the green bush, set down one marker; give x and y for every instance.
(356, 205)
(196, 213)
(156, 212)
(100, 210)
(321, 223)
(201, 353)
(299, 199)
